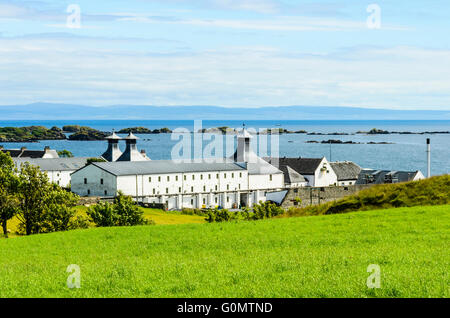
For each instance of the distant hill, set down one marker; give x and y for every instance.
(47, 111)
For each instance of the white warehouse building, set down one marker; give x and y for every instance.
(242, 180)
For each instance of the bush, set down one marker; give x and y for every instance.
(123, 212)
(265, 210)
(188, 211)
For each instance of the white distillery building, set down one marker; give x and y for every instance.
(243, 181)
(58, 170)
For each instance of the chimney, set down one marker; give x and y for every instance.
(143, 151)
(131, 153)
(428, 158)
(244, 152)
(47, 149)
(113, 152)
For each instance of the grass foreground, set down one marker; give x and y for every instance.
(318, 256)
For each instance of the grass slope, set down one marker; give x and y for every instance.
(321, 256)
(431, 191)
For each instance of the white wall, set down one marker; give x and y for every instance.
(61, 178)
(262, 182)
(93, 177)
(324, 178)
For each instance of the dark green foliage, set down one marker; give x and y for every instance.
(8, 186)
(43, 206)
(31, 133)
(87, 133)
(123, 212)
(65, 154)
(432, 191)
(265, 210)
(222, 215)
(91, 160)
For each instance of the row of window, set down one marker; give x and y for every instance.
(193, 177)
(204, 189)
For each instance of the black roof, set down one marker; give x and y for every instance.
(20, 153)
(304, 166)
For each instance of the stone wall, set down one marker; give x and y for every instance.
(312, 196)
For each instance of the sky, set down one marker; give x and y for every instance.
(391, 54)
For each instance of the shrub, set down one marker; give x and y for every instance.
(123, 212)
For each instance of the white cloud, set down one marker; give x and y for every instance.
(99, 72)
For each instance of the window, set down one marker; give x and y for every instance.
(192, 201)
(168, 178)
(193, 177)
(209, 176)
(270, 177)
(101, 181)
(179, 189)
(89, 192)
(201, 177)
(215, 200)
(192, 189)
(159, 179)
(228, 187)
(228, 199)
(232, 175)
(204, 188)
(167, 190)
(149, 179)
(217, 176)
(224, 175)
(240, 174)
(106, 192)
(85, 180)
(176, 178)
(239, 186)
(204, 201)
(295, 190)
(184, 178)
(154, 191)
(216, 187)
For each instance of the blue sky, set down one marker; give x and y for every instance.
(227, 53)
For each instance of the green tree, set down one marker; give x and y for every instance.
(65, 154)
(123, 212)
(8, 188)
(43, 206)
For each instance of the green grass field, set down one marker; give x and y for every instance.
(160, 217)
(317, 256)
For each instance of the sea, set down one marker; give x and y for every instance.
(402, 152)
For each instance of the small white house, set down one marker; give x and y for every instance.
(58, 169)
(317, 172)
(347, 172)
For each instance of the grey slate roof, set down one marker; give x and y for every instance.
(304, 166)
(126, 168)
(384, 176)
(346, 170)
(291, 176)
(54, 164)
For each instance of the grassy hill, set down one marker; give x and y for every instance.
(320, 256)
(431, 191)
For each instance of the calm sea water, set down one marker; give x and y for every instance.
(408, 152)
